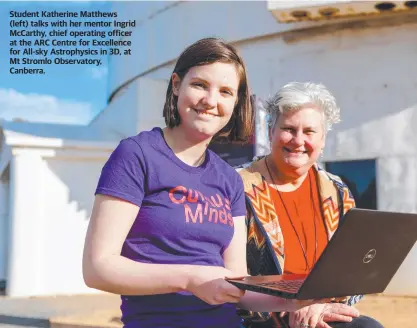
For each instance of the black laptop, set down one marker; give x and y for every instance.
(361, 258)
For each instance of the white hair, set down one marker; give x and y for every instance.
(295, 95)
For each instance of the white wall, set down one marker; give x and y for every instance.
(27, 224)
(136, 108)
(151, 100)
(52, 203)
(119, 116)
(4, 226)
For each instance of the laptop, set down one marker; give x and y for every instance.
(361, 258)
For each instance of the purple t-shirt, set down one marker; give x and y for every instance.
(185, 217)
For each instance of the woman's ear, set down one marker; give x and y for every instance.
(176, 83)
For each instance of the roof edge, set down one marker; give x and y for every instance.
(29, 141)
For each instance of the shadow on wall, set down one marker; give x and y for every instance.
(389, 135)
(72, 184)
(68, 196)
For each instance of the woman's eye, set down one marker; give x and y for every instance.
(198, 84)
(228, 92)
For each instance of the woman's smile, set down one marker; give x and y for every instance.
(204, 113)
(294, 152)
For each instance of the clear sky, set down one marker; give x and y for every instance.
(71, 94)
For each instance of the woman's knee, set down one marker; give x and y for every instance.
(365, 322)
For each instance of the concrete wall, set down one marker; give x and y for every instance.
(47, 233)
(136, 108)
(151, 99)
(119, 116)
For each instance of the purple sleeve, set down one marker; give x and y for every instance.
(238, 202)
(123, 175)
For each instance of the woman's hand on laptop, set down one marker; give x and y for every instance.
(317, 315)
(208, 284)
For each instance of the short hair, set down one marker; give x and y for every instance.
(296, 95)
(204, 52)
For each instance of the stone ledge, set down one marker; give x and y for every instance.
(98, 319)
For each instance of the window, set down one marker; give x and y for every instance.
(360, 177)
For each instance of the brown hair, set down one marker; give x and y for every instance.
(204, 52)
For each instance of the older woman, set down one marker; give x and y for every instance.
(294, 206)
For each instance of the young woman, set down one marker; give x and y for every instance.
(168, 223)
(165, 206)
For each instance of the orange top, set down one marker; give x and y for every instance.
(297, 211)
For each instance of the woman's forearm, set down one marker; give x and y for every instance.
(258, 302)
(120, 275)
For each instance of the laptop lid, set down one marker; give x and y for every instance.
(363, 255)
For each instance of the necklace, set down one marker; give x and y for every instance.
(303, 249)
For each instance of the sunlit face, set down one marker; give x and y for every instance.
(297, 140)
(207, 96)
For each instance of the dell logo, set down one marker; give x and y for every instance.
(369, 256)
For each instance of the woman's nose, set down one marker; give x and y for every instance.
(210, 99)
(298, 138)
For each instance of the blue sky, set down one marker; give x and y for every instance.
(71, 94)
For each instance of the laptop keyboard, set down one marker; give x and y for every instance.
(289, 286)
